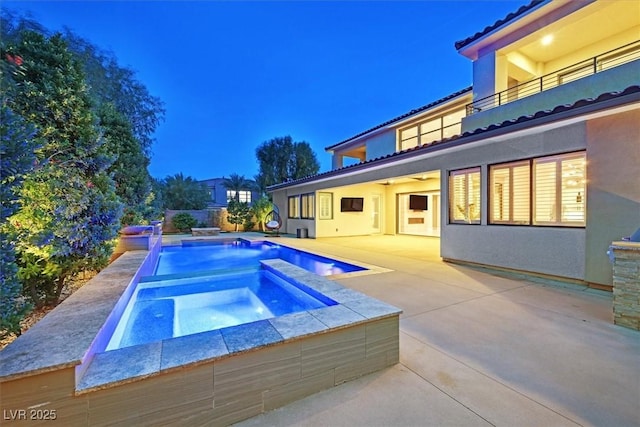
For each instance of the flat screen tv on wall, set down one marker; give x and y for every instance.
(417, 202)
(351, 204)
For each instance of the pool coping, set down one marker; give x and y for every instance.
(77, 340)
(125, 365)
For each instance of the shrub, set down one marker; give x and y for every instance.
(238, 212)
(16, 160)
(184, 221)
(249, 224)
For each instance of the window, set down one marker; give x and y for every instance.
(243, 196)
(409, 138)
(433, 129)
(543, 191)
(307, 206)
(559, 185)
(294, 207)
(509, 193)
(325, 204)
(464, 196)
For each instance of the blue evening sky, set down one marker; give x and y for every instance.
(233, 74)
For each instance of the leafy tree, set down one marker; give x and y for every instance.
(280, 160)
(111, 83)
(261, 208)
(238, 213)
(69, 209)
(120, 101)
(129, 170)
(184, 193)
(237, 183)
(16, 160)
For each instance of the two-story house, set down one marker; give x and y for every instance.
(534, 168)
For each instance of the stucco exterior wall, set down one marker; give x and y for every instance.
(484, 76)
(552, 251)
(382, 144)
(613, 193)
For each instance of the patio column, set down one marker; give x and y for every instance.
(626, 284)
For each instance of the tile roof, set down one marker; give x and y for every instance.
(404, 116)
(462, 43)
(471, 136)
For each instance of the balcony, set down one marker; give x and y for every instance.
(611, 71)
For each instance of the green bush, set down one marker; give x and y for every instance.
(249, 225)
(184, 221)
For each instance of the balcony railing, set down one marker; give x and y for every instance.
(608, 60)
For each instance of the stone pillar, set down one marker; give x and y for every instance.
(626, 284)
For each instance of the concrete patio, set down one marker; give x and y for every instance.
(478, 349)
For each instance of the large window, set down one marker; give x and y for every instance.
(243, 196)
(294, 207)
(509, 193)
(307, 206)
(433, 129)
(559, 184)
(542, 191)
(464, 196)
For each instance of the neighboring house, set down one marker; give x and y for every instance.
(219, 195)
(536, 168)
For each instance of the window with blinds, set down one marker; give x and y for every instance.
(509, 194)
(559, 190)
(294, 207)
(307, 206)
(325, 205)
(464, 196)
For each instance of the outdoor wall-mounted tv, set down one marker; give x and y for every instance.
(417, 202)
(351, 204)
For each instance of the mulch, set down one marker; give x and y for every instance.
(36, 315)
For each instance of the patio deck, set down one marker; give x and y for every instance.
(478, 348)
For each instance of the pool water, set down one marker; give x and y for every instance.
(229, 254)
(166, 309)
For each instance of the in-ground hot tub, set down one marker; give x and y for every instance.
(169, 308)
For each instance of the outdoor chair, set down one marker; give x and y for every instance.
(273, 222)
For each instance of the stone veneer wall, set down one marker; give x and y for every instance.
(626, 284)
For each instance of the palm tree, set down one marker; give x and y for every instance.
(237, 183)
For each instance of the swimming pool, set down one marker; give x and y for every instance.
(194, 257)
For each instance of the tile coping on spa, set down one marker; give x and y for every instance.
(133, 363)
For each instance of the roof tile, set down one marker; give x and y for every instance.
(462, 43)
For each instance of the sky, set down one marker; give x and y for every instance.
(234, 74)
